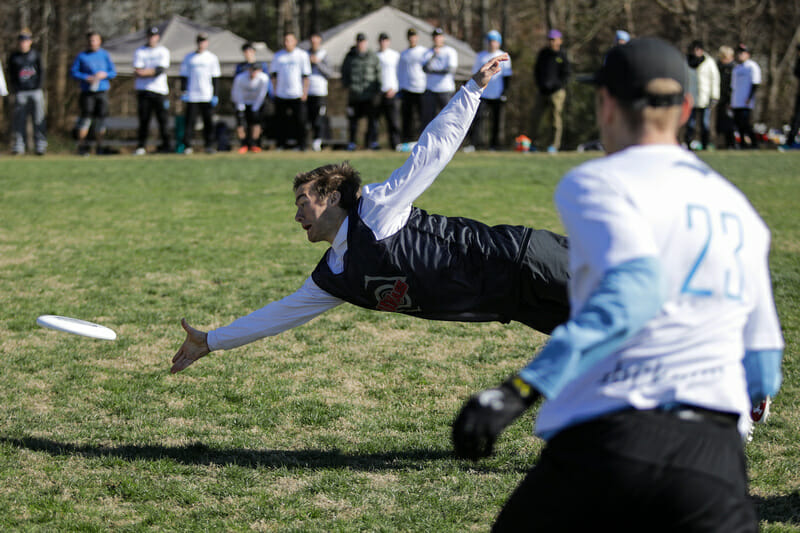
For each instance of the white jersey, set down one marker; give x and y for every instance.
(317, 83)
(494, 90)
(384, 208)
(445, 58)
(410, 76)
(389, 59)
(249, 91)
(3, 87)
(743, 77)
(290, 69)
(661, 201)
(200, 69)
(147, 57)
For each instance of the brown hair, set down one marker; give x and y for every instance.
(334, 177)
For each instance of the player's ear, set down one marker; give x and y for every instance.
(334, 198)
(686, 108)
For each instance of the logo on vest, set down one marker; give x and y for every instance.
(391, 294)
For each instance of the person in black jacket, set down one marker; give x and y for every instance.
(25, 79)
(551, 73)
(791, 141)
(725, 126)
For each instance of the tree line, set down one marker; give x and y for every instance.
(770, 27)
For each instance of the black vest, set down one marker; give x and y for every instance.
(448, 268)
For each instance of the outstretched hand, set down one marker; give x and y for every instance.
(486, 414)
(193, 348)
(489, 69)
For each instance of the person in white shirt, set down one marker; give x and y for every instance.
(388, 108)
(247, 94)
(200, 73)
(673, 333)
(318, 91)
(494, 97)
(439, 64)
(290, 70)
(745, 80)
(704, 88)
(150, 64)
(411, 81)
(479, 274)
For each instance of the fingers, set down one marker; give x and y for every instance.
(186, 326)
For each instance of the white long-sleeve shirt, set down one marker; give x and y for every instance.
(384, 208)
(249, 91)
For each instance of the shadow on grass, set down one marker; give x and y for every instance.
(784, 508)
(200, 454)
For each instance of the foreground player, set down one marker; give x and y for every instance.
(673, 331)
(408, 261)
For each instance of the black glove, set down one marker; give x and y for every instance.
(486, 414)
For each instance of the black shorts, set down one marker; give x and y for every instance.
(636, 471)
(94, 105)
(248, 117)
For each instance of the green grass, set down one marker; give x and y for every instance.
(340, 425)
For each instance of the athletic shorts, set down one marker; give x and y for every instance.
(248, 117)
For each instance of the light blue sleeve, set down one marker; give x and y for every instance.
(628, 296)
(763, 371)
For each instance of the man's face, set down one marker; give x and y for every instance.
(316, 42)
(698, 52)
(438, 41)
(384, 43)
(249, 55)
(289, 42)
(741, 57)
(25, 45)
(413, 40)
(152, 40)
(317, 215)
(94, 42)
(362, 45)
(202, 46)
(555, 43)
(494, 46)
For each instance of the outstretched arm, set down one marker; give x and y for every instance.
(436, 147)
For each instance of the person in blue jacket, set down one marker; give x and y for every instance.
(93, 68)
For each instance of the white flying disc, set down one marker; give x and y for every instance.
(78, 327)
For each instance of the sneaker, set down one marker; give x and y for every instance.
(316, 145)
(140, 151)
(188, 151)
(351, 147)
(242, 149)
(255, 149)
(552, 149)
(759, 413)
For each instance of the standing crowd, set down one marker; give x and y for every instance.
(288, 99)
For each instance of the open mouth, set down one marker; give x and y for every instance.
(306, 227)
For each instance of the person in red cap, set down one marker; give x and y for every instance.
(550, 73)
(672, 336)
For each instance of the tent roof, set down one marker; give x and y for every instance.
(178, 34)
(339, 39)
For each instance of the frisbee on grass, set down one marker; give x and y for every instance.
(76, 326)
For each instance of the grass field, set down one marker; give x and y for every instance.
(340, 425)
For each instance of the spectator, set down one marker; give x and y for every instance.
(622, 37)
(318, 92)
(249, 53)
(704, 88)
(745, 80)
(93, 68)
(725, 124)
(791, 138)
(248, 94)
(550, 73)
(389, 86)
(493, 99)
(411, 80)
(150, 64)
(439, 63)
(200, 73)
(361, 75)
(290, 71)
(25, 78)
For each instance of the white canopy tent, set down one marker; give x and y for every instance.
(179, 35)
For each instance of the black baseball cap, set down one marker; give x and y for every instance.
(410, 32)
(438, 31)
(202, 36)
(25, 35)
(383, 36)
(361, 37)
(628, 69)
(153, 30)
